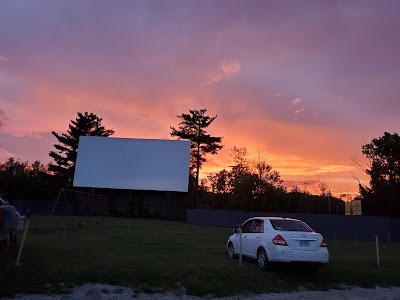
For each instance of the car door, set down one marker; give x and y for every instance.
(254, 237)
(246, 227)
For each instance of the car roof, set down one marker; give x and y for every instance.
(274, 218)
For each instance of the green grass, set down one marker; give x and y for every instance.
(151, 253)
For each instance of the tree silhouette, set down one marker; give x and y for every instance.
(384, 156)
(219, 182)
(192, 127)
(384, 171)
(86, 124)
(263, 170)
(241, 163)
(22, 180)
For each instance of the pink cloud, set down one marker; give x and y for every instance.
(4, 154)
(230, 67)
(226, 69)
(296, 101)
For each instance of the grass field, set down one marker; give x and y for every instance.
(149, 254)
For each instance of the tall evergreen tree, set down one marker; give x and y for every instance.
(86, 124)
(192, 127)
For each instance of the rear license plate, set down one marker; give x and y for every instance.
(304, 244)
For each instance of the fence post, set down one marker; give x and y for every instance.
(378, 264)
(240, 244)
(17, 263)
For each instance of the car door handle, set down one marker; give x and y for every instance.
(258, 237)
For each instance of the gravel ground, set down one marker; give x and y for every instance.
(109, 292)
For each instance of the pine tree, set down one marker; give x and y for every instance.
(86, 124)
(192, 127)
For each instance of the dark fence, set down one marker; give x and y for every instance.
(36, 207)
(333, 226)
(120, 203)
(151, 204)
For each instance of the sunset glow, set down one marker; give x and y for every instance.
(305, 82)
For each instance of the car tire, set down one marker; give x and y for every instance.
(262, 258)
(230, 251)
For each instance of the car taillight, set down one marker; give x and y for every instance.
(323, 244)
(279, 240)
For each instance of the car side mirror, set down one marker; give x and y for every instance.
(235, 231)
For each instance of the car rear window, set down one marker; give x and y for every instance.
(290, 225)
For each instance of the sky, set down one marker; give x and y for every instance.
(304, 83)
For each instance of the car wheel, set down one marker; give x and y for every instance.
(230, 251)
(262, 258)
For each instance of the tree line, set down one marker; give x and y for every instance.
(249, 184)
(253, 185)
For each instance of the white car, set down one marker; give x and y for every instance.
(274, 239)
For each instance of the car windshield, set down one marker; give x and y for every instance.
(290, 225)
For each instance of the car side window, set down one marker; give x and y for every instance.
(247, 226)
(257, 226)
(260, 226)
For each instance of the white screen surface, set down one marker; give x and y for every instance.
(137, 164)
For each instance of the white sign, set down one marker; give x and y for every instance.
(353, 208)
